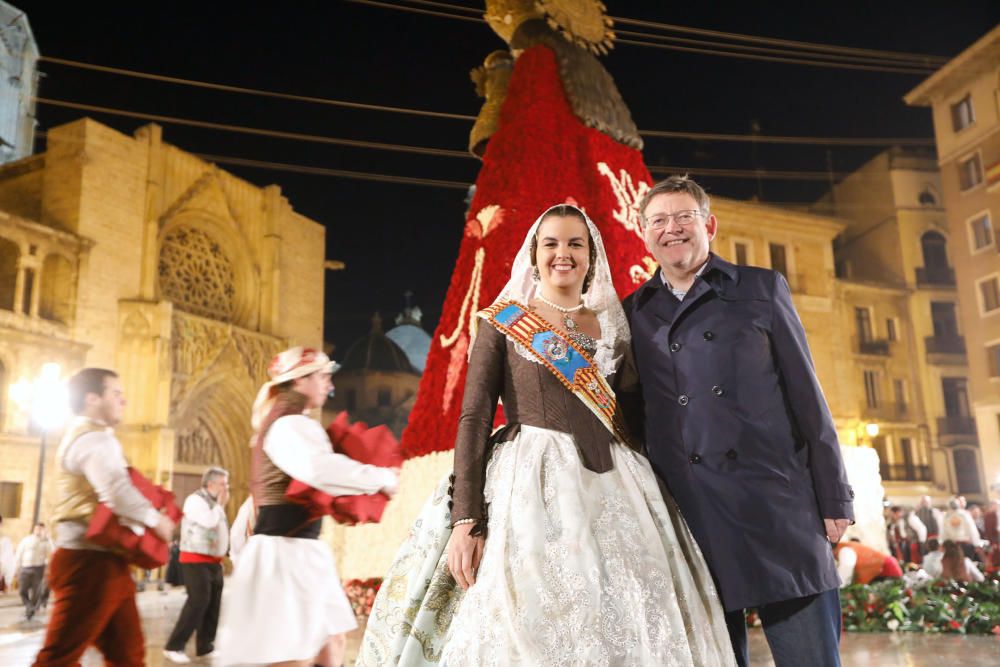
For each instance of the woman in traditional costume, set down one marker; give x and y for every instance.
(286, 604)
(557, 547)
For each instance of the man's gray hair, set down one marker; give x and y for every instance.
(675, 185)
(213, 473)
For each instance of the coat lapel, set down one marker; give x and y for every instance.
(697, 292)
(664, 305)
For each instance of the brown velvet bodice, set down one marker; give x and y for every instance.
(532, 396)
(268, 482)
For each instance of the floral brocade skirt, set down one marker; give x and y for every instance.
(579, 568)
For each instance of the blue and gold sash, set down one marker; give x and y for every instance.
(564, 359)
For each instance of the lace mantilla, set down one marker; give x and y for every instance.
(601, 297)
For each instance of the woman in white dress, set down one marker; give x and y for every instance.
(563, 550)
(286, 605)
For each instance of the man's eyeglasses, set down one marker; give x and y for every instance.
(682, 218)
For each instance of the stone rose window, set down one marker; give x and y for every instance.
(197, 275)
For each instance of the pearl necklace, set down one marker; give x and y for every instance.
(578, 337)
(564, 311)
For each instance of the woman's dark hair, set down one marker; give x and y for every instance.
(568, 211)
(953, 563)
(284, 386)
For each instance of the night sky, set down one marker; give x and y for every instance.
(396, 237)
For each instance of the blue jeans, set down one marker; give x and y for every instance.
(803, 631)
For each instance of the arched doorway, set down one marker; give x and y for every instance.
(213, 428)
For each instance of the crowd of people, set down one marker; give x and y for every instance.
(959, 542)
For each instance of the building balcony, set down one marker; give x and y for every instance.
(886, 412)
(947, 350)
(935, 276)
(903, 472)
(797, 283)
(872, 347)
(956, 426)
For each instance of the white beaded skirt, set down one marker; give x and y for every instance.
(579, 568)
(282, 602)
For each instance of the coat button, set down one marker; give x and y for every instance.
(695, 458)
(674, 347)
(717, 390)
(731, 454)
(682, 399)
(708, 335)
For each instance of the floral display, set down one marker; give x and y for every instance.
(887, 606)
(541, 155)
(938, 606)
(361, 594)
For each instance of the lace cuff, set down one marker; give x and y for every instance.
(479, 527)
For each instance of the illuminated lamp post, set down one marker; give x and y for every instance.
(46, 402)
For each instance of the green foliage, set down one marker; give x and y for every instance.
(941, 606)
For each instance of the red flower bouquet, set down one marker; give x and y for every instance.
(139, 546)
(376, 446)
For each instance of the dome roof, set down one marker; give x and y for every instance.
(376, 352)
(414, 341)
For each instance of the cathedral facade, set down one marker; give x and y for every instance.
(129, 253)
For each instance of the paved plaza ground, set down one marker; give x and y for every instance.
(20, 641)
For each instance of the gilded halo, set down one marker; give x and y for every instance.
(581, 21)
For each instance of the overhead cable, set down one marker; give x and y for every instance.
(668, 134)
(437, 152)
(771, 54)
(918, 64)
(786, 175)
(339, 173)
(793, 140)
(900, 58)
(907, 58)
(252, 91)
(776, 59)
(278, 134)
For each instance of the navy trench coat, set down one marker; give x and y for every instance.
(738, 428)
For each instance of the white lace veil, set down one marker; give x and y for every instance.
(600, 297)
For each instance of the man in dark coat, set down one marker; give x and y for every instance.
(738, 428)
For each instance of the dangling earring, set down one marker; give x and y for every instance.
(535, 276)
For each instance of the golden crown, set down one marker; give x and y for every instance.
(580, 21)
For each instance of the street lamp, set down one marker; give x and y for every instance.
(46, 401)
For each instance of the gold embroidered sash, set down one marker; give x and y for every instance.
(564, 359)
